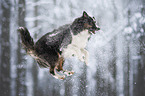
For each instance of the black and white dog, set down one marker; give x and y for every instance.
(64, 42)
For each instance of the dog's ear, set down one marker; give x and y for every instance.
(85, 14)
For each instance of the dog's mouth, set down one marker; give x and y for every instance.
(93, 30)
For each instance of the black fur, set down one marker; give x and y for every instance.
(47, 50)
(27, 40)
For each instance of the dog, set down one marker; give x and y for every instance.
(66, 41)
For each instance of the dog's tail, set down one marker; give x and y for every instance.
(27, 40)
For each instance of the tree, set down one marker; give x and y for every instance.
(5, 49)
(83, 82)
(21, 66)
(34, 67)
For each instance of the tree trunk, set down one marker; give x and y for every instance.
(5, 49)
(34, 67)
(83, 82)
(21, 66)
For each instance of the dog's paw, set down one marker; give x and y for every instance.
(81, 58)
(57, 76)
(85, 60)
(60, 77)
(68, 73)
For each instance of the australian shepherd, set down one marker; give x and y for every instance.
(66, 41)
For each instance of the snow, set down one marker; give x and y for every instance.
(141, 30)
(128, 30)
(136, 57)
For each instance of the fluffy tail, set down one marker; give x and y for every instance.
(27, 40)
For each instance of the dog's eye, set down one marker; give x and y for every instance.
(90, 23)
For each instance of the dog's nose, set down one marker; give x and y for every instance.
(98, 28)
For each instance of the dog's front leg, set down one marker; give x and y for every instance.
(76, 52)
(82, 54)
(79, 54)
(86, 55)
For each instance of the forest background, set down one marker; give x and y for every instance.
(117, 52)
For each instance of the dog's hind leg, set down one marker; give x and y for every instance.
(60, 67)
(55, 75)
(51, 57)
(60, 64)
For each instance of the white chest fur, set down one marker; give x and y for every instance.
(80, 40)
(76, 48)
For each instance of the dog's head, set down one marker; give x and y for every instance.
(84, 22)
(89, 23)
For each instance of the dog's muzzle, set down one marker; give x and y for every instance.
(93, 30)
